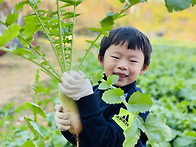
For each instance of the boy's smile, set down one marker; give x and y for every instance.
(126, 63)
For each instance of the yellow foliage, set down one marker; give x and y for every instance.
(150, 17)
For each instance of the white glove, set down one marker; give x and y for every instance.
(62, 120)
(74, 85)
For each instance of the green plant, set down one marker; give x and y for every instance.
(154, 127)
(60, 33)
(11, 134)
(171, 85)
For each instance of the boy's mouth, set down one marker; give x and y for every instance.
(121, 75)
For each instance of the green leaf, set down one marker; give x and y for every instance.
(28, 143)
(25, 53)
(194, 2)
(184, 141)
(96, 29)
(97, 77)
(39, 88)
(10, 33)
(117, 16)
(164, 144)
(132, 135)
(108, 22)
(139, 102)
(100, 30)
(72, 2)
(34, 108)
(190, 133)
(38, 137)
(104, 85)
(31, 26)
(89, 41)
(113, 96)
(11, 18)
(178, 5)
(156, 129)
(111, 80)
(105, 33)
(22, 52)
(28, 121)
(122, 1)
(23, 42)
(20, 5)
(134, 2)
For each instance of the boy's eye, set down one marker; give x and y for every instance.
(115, 57)
(133, 61)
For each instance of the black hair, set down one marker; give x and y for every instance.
(134, 39)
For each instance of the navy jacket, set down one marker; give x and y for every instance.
(99, 129)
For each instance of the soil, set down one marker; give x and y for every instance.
(17, 79)
(16, 82)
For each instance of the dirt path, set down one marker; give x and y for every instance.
(16, 79)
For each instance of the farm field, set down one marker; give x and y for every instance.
(170, 81)
(29, 93)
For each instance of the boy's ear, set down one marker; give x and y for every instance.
(100, 61)
(144, 69)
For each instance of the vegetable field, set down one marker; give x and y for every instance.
(169, 84)
(170, 81)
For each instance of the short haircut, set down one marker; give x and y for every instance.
(134, 39)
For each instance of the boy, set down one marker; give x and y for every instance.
(125, 52)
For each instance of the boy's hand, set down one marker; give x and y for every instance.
(74, 85)
(62, 120)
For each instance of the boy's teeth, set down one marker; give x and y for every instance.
(121, 75)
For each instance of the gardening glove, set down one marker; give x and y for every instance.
(74, 85)
(62, 120)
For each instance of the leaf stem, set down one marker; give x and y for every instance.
(73, 35)
(2, 22)
(44, 69)
(88, 50)
(36, 85)
(47, 34)
(37, 51)
(61, 38)
(122, 11)
(48, 72)
(141, 124)
(40, 54)
(36, 92)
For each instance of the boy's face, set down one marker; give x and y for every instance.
(126, 63)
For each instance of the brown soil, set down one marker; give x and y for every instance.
(16, 82)
(17, 79)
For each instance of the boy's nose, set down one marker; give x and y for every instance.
(122, 64)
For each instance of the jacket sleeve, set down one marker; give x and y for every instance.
(98, 130)
(70, 137)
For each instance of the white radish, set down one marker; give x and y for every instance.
(70, 107)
